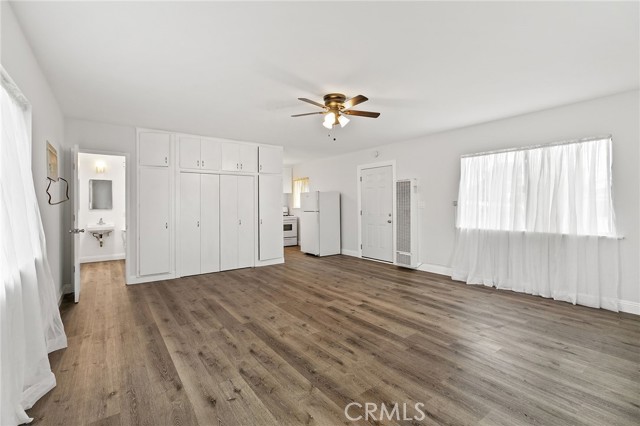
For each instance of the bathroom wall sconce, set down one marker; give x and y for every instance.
(101, 166)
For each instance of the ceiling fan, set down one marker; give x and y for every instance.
(336, 107)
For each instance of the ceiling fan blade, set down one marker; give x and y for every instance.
(362, 113)
(355, 101)
(309, 101)
(308, 113)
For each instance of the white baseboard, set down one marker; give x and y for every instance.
(629, 307)
(435, 269)
(102, 258)
(276, 261)
(353, 253)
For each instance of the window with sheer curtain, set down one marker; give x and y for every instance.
(30, 324)
(540, 220)
(299, 186)
(564, 189)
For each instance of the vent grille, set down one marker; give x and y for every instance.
(403, 259)
(403, 217)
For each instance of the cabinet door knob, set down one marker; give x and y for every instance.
(260, 167)
(198, 224)
(198, 163)
(166, 225)
(237, 166)
(240, 166)
(202, 163)
(165, 160)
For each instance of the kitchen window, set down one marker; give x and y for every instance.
(299, 186)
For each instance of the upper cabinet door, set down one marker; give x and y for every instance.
(248, 158)
(154, 149)
(210, 157)
(230, 156)
(270, 160)
(189, 148)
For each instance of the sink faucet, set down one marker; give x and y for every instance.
(101, 222)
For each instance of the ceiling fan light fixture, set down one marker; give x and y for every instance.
(343, 120)
(329, 120)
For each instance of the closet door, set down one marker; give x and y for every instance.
(153, 214)
(189, 148)
(189, 224)
(228, 222)
(154, 148)
(209, 223)
(248, 155)
(246, 221)
(210, 154)
(270, 213)
(270, 159)
(229, 153)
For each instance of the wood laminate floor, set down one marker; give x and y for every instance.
(293, 344)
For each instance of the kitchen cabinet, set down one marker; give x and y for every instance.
(199, 153)
(270, 228)
(154, 219)
(199, 223)
(270, 159)
(237, 222)
(237, 157)
(154, 149)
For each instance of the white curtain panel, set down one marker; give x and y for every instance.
(30, 324)
(540, 220)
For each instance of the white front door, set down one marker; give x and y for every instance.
(377, 213)
(75, 230)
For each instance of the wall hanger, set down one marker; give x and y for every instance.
(66, 190)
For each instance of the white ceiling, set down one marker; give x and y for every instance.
(235, 69)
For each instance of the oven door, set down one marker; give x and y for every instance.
(289, 229)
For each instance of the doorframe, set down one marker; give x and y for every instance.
(127, 201)
(360, 168)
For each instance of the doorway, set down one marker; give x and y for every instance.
(100, 209)
(376, 211)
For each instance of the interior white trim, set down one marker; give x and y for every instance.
(353, 253)
(359, 169)
(103, 258)
(629, 307)
(435, 269)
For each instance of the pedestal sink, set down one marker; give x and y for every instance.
(100, 230)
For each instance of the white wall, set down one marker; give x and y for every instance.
(434, 160)
(113, 245)
(112, 139)
(47, 125)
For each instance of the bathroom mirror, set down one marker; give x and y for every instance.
(100, 197)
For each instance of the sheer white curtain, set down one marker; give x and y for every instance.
(30, 324)
(540, 220)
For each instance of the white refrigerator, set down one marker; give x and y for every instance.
(320, 223)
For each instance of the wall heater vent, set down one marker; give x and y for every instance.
(407, 223)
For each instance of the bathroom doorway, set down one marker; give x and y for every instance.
(100, 210)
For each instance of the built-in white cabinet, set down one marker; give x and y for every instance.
(206, 205)
(154, 220)
(199, 224)
(237, 222)
(238, 157)
(199, 153)
(270, 159)
(270, 213)
(154, 148)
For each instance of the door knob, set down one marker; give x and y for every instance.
(389, 221)
(75, 231)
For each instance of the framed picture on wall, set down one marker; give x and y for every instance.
(52, 162)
